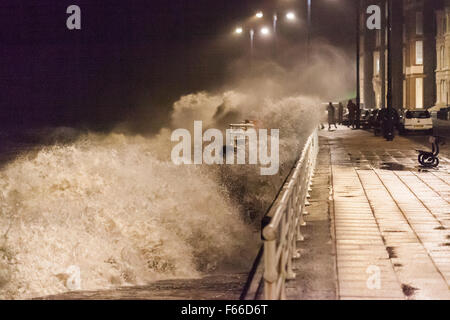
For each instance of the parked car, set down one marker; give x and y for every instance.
(373, 118)
(444, 114)
(418, 120)
(375, 121)
(345, 120)
(365, 119)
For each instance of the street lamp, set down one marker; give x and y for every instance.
(290, 16)
(265, 31)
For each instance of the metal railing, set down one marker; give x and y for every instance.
(283, 224)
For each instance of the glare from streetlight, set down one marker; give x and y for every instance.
(259, 14)
(239, 30)
(290, 16)
(265, 31)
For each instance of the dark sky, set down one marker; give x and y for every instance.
(130, 55)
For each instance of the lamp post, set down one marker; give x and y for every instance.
(275, 35)
(309, 31)
(358, 49)
(390, 115)
(252, 39)
(389, 44)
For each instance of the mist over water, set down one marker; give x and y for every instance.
(118, 208)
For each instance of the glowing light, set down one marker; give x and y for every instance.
(290, 16)
(259, 14)
(265, 31)
(239, 30)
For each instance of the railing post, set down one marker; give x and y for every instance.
(298, 236)
(270, 270)
(291, 243)
(283, 291)
(303, 198)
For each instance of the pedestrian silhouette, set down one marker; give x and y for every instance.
(352, 109)
(331, 116)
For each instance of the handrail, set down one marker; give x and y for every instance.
(285, 219)
(255, 278)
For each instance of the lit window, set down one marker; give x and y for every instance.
(419, 52)
(443, 91)
(376, 61)
(419, 93)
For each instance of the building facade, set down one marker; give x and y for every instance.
(413, 51)
(419, 52)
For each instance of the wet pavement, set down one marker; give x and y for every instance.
(391, 218)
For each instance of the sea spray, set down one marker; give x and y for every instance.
(117, 208)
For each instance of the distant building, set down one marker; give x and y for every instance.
(413, 51)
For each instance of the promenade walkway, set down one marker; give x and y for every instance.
(389, 220)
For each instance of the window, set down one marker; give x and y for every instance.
(443, 91)
(419, 93)
(447, 86)
(442, 57)
(376, 61)
(404, 60)
(404, 93)
(419, 52)
(417, 115)
(419, 23)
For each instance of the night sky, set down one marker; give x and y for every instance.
(131, 57)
